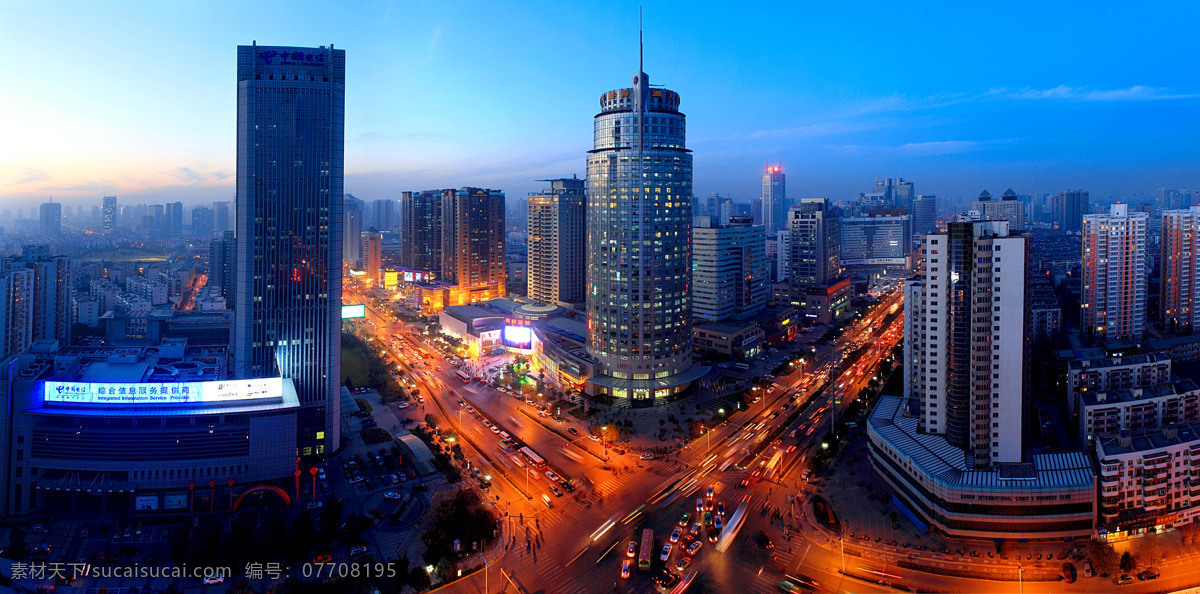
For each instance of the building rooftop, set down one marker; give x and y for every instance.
(934, 456)
(1134, 394)
(1153, 439)
(469, 313)
(728, 327)
(1105, 362)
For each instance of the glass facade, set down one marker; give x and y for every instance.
(290, 140)
(639, 180)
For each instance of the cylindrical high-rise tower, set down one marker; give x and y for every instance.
(639, 186)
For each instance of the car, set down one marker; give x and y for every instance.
(682, 565)
(109, 557)
(676, 534)
(666, 552)
(699, 504)
(322, 558)
(721, 508)
(666, 580)
(709, 505)
(495, 429)
(314, 505)
(631, 550)
(710, 492)
(685, 519)
(695, 529)
(129, 531)
(557, 492)
(470, 409)
(647, 456)
(1124, 579)
(40, 529)
(567, 486)
(212, 580)
(1068, 573)
(708, 518)
(321, 473)
(42, 549)
(572, 431)
(546, 499)
(717, 523)
(420, 399)
(695, 546)
(392, 495)
(714, 534)
(550, 475)
(765, 541)
(1087, 568)
(1147, 575)
(594, 437)
(625, 567)
(358, 550)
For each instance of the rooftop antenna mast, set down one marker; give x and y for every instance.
(640, 68)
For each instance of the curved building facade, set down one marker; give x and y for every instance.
(639, 180)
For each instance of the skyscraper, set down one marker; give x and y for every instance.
(50, 215)
(16, 308)
(974, 400)
(222, 266)
(110, 213)
(815, 244)
(202, 221)
(372, 254)
(383, 215)
(924, 215)
(421, 230)
(173, 219)
(1113, 303)
(1069, 208)
(473, 240)
(774, 199)
(51, 293)
(1008, 208)
(222, 217)
(639, 181)
(352, 228)
(557, 247)
(1179, 303)
(290, 143)
(729, 269)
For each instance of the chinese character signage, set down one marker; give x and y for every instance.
(67, 393)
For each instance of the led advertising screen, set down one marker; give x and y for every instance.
(354, 311)
(520, 337)
(110, 393)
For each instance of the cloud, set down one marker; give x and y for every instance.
(919, 149)
(1068, 93)
(188, 174)
(31, 175)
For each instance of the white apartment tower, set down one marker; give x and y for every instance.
(964, 339)
(1113, 303)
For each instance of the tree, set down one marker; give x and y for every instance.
(17, 548)
(301, 535)
(1128, 563)
(1151, 550)
(431, 421)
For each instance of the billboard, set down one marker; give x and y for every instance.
(145, 502)
(352, 311)
(175, 500)
(150, 393)
(876, 262)
(520, 337)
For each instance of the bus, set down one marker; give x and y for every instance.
(533, 458)
(646, 552)
(464, 376)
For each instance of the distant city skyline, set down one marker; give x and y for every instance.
(957, 100)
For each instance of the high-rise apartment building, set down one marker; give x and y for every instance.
(383, 215)
(202, 222)
(639, 182)
(783, 255)
(964, 339)
(16, 308)
(173, 219)
(1113, 302)
(877, 243)
(729, 269)
(473, 240)
(372, 255)
(222, 266)
(222, 216)
(774, 200)
(352, 230)
(50, 217)
(1008, 208)
(290, 150)
(814, 244)
(557, 246)
(51, 293)
(1179, 289)
(109, 213)
(1069, 208)
(421, 230)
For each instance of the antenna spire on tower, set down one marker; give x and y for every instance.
(640, 68)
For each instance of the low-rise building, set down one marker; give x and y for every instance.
(1149, 480)
(479, 328)
(738, 340)
(1106, 413)
(1091, 375)
(1052, 496)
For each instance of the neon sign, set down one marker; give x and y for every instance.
(163, 393)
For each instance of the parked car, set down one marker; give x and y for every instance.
(647, 456)
(392, 495)
(666, 552)
(357, 550)
(1148, 574)
(314, 505)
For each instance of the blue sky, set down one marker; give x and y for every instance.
(139, 99)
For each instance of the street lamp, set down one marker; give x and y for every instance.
(603, 441)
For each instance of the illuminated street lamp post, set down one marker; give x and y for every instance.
(604, 442)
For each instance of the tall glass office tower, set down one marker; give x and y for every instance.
(639, 196)
(290, 129)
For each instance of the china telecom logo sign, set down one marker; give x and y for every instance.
(290, 58)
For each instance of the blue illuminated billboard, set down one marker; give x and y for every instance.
(519, 337)
(353, 311)
(152, 393)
